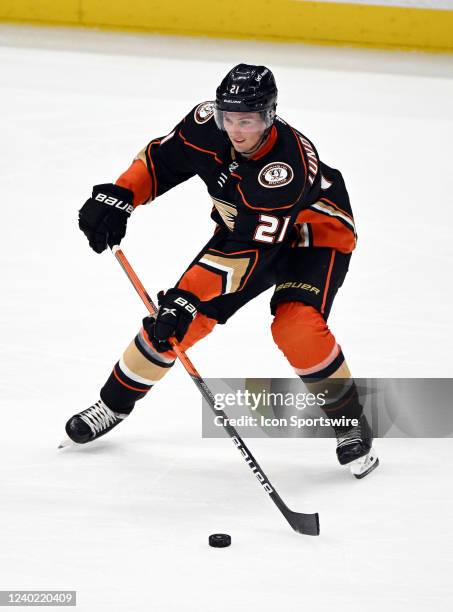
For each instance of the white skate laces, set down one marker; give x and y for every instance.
(99, 417)
(349, 437)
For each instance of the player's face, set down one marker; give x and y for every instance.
(244, 130)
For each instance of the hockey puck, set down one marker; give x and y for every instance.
(219, 540)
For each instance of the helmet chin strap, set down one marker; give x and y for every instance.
(260, 142)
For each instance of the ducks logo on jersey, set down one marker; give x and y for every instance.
(204, 112)
(275, 174)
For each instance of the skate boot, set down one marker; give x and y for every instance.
(92, 423)
(354, 448)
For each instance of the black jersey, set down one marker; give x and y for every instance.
(257, 201)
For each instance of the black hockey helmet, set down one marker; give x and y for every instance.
(247, 89)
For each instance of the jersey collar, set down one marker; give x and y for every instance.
(266, 146)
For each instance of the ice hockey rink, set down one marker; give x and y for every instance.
(125, 521)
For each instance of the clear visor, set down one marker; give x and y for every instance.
(251, 123)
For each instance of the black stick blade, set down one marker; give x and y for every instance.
(307, 524)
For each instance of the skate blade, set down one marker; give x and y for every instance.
(370, 469)
(363, 466)
(66, 442)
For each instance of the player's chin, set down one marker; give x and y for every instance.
(241, 147)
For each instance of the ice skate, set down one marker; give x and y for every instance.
(354, 448)
(90, 424)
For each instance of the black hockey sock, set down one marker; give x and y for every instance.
(341, 400)
(342, 403)
(121, 392)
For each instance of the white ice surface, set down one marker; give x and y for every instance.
(126, 521)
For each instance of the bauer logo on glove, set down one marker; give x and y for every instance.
(177, 310)
(111, 201)
(103, 217)
(187, 306)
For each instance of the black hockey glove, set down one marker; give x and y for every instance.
(177, 310)
(103, 218)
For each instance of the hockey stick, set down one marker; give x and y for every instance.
(302, 523)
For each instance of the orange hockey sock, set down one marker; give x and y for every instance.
(303, 336)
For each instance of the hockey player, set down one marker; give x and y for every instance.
(282, 218)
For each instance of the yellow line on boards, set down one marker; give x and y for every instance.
(278, 20)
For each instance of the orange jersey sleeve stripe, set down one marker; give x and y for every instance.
(337, 208)
(138, 180)
(327, 231)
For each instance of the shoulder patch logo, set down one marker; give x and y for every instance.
(204, 112)
(275, 174)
